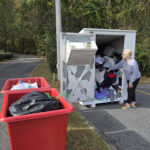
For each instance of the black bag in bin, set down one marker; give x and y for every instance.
(34, 102)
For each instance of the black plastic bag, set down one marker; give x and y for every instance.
(34, 102)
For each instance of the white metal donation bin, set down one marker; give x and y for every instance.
(77, 62)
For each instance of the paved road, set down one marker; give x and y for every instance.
(124, 129)
(21, 66)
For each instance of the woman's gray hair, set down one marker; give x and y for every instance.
(129, 52)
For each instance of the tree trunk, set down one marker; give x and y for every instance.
(5, 39)
(5, 45)
(13, 45)
(53, 77)
(23, 47)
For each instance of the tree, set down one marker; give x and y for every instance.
(28, 26)
(7, 22)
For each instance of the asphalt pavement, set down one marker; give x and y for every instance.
(123, 129)
(19, 67)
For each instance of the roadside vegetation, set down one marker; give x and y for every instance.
(5, 55)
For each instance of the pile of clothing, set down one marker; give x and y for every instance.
(107, 84)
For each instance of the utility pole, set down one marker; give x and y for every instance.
(58, 30)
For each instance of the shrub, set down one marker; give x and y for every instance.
(143, 58)
(52, 60)
(6, 55)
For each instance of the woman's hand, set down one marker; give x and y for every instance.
(130, 85)
(107, 70)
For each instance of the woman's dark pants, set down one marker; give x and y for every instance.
(131, 91)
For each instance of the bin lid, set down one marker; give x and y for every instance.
(80, 53)
(81, 57)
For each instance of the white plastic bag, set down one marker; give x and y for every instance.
(24, 86)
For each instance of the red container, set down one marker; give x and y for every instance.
(38, 131)
(41, 82)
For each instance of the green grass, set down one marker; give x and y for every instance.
(42, 70)
(80, 136)
(3, 52)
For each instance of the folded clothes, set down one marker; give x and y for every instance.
(99, 60)
(111, 93)
(102, 94)
(99, 75)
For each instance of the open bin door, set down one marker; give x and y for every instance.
(77, 49)
(81, 53)
(77, 66)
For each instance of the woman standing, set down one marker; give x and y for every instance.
(132, 73)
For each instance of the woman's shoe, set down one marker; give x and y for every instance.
(126, 106)
(133, 105)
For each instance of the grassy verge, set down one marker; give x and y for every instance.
(5, 55)
(42, 70)
(2, 52)
(145, 80)
(80, 136)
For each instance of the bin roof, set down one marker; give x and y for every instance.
(106, 30)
